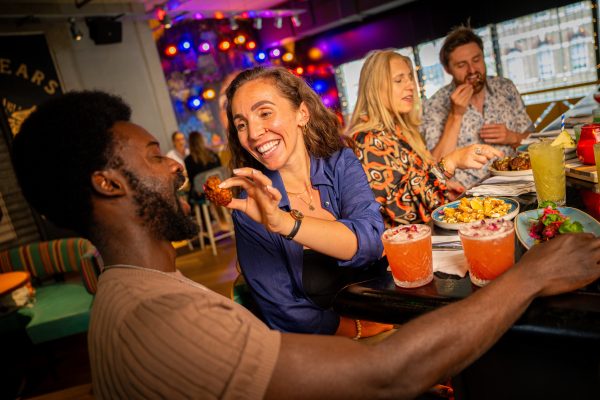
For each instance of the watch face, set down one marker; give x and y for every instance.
(297, 215)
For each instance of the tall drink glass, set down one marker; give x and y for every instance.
(489, 247)
(408, 250)
(597, 157)
(548, 164)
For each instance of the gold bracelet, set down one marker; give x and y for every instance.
(442, 167)
(358, 329)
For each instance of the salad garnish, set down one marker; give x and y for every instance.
(552, 223)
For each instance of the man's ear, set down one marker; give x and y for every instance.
(108, 183)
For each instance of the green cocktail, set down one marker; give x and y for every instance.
(597, 157)
(548, 164)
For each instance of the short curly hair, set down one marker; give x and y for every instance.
(58, 148)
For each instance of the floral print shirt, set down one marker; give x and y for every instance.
(502, 105)
(400, 179)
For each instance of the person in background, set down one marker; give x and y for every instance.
(200, 158)
(473, 108)
(156, 334)
(314, 222)
(406, 180)
(179, 150)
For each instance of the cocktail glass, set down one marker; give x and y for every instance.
(489, 247)
(597, 157)
(408, 250)
(548, 165)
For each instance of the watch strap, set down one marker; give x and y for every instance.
(295, 229)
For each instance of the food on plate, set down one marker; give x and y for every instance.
(214, 193)
(475, 208)
(520, 162)
(551, 223)
(565, 140)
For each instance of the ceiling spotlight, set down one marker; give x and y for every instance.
(257, 23)
(278, 22)
(251, 45)
(296, 21)
(233, 24)
(75, 32)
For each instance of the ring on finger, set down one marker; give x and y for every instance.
(478, 151)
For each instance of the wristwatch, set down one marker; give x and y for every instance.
(298, 216)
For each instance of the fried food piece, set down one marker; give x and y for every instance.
(214, 193)
(502, 164)
(474, 209)
(520, 162)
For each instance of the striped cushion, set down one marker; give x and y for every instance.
(45, 259)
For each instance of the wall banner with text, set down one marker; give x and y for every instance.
(27, 76)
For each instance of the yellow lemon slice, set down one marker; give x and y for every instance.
(565, 140)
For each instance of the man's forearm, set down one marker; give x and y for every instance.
(446, 337)
(449, 137)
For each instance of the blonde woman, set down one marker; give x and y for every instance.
(404, 177)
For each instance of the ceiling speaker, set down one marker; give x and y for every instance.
(105, 30)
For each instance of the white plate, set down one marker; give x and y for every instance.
(523, 172)
(437, 213)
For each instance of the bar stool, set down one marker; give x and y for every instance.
(203, 208)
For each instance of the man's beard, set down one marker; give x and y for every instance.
(476, 80)
(164, 219)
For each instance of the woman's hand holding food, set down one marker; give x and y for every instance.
(474, 156)
(262, 202)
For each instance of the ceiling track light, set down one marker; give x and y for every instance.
(257, 23)
(233, 24)
(278, 22)
(75, 32)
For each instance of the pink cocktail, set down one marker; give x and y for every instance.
(408, 250)
(489, 247)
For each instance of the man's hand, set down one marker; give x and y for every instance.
(565, 263)
(499, 134)
(460, 99)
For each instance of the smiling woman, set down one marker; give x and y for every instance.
(306, 220)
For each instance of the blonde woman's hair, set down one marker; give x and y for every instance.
(371, 112)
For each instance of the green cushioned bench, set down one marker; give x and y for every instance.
(60, 308)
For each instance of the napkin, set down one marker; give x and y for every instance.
(452, 262)
(504, 186)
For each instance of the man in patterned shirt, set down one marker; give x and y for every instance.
(473, 108)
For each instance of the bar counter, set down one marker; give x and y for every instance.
(551, 352)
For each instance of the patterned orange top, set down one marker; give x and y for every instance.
(401, 180)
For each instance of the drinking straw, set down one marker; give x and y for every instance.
(562, 122)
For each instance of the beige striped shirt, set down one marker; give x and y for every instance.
(161, 336)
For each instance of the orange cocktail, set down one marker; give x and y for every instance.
(408, 250)
(489, 247)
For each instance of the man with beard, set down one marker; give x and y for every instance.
(155, 334)
(473, 108)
